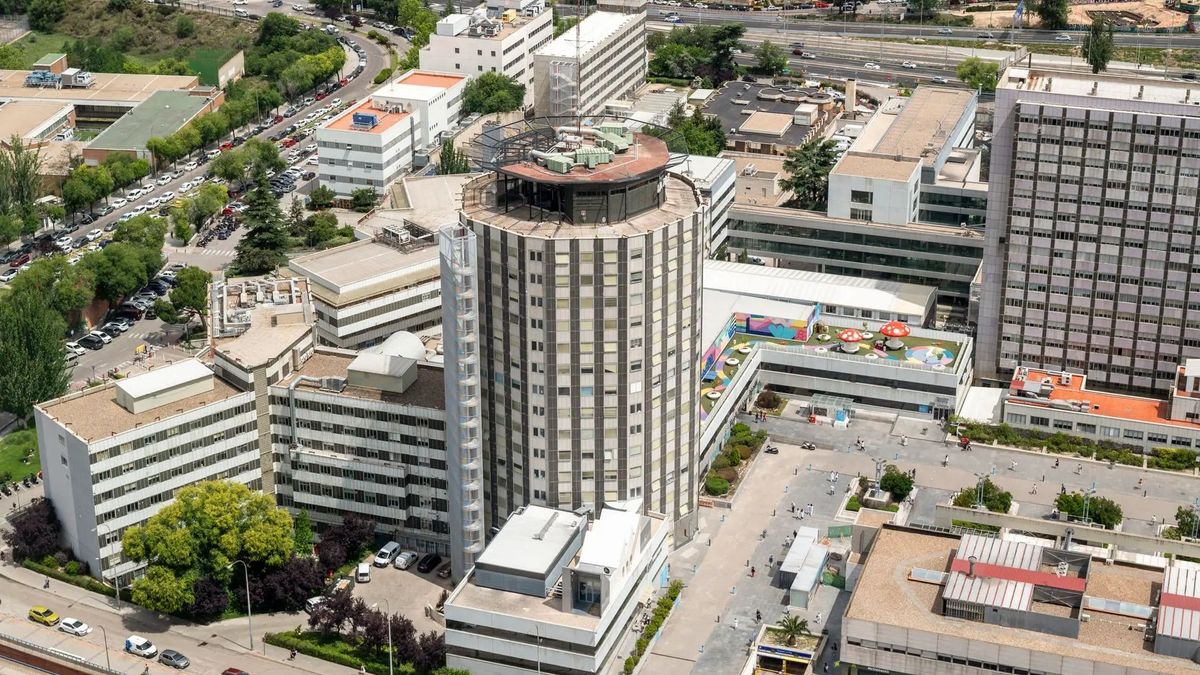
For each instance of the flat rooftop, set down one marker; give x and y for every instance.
(94, 414)
(812, 287)
(588, 35)
(366, 266)
(645, 155)
(1129, 89)
(680, 201)
(162, 114)
(507, 28)
(763, 113)
(419, 85)
(427, 392)
(885, 167)
(704, 171)
(886, 595)
(22, 118)
(531, 541)
(1119, 406)
(384, 120)
(256, 320)
(428, 201)
(108, 88)
(926, 122)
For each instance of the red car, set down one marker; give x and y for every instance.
(320, 96)
(289, 142)
(227, 145)
(227, 211)
(20, 260)
(277, 119)
(234, 671)
(343, 82)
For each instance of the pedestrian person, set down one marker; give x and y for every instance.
(1079, 468)
(1056, 462)
(1063, 489)
(1034, 490)
(1043, 478)
(771, 560)
(46, 583)
(718, 618)
(736, 621)
(1144, 492)
(818, 617)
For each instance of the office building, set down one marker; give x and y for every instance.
(715, 177)
(364, 433)
(602, 58)
(373, 142)
(588, 265)
(366, 291)
(116, 454)
(160, 115)
(931, 602)
(493, 38)
(556, 592)
(1091, 231)
(905, 201)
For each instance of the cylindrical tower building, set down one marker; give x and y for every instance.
(589, 262)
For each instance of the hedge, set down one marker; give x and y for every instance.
(81, 580)
(383, 76)
(309, 643)
(1169, 459)
(715, 485)
(661, 610)
(853, 504)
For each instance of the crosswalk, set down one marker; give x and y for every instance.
(195, 250)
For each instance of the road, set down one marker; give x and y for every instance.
(812, 24)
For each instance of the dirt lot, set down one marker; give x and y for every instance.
(1152, 14)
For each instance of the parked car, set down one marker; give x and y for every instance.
(104, 337)
(136, 644)
(20, 260)
(405, 560)
(91, 342)
(174, 659)
(428, 562)
(363, 574)
(43, 615)
(387, 554)
(74, 627)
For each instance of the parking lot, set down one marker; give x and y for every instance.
(407, 592)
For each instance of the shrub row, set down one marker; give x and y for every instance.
(715, 485)
(1169, 459)
(81, 580)
(661, 610)
(383, 76)
(329, 652)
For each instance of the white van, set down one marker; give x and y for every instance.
(363, 575)
(387, 554)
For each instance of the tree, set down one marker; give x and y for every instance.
(1098, 45)
(20, 176)
(808, 168)
(230, 165)
(35, 532)
(449, 8)
(286, 588)
(432, 652)
(994, 499)
(321, 197)
(789, 628)
(119, 270)
(160, 590)
(185, 27)
(295, 217)
(676, 61)
(44, 15)
(206, 528)
(491, 93)
(191, 291)
(897, 482)
(771, 59)
(364, 199)
(319, 228)
(10, 58)
(352, 535)
(1100, 510)
(302, 533)
(167, 313)
(262, 248)
(453, 160)
(209, 599)
(1185, 522)
(979, 74)
(1052, 13)
(32, 364)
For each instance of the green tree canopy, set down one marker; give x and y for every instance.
(44, 15)
(808, 168)
(191, 291)
(979, 74)
(491, 93)
(1100, 510)
(206, 528)
(897, 482)
(32, 366)
(1098, 45)
(1052, 13)
(770, 58)
(994, 499)
(263, 247)
(452, 159)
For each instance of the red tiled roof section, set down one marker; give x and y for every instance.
(1110, 405)
(345, 121)
(421, 79)
(1035, 577)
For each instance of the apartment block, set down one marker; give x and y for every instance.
(372, 143)
(602, 58)
(556, 592)
(1090, 264)
(493, 38)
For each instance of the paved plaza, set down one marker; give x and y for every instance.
(711, 629)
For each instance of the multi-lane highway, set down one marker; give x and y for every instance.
(808, 21)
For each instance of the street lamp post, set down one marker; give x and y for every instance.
(1195, 515)
(249, 614)
(388, 606)
(1087, 501)
(979, 489)
(107, 659)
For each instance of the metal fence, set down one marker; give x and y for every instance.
(57, 656)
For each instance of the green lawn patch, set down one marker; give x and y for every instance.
(206, 61)
(36, 45)
(19, 455)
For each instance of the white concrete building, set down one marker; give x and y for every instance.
(491, 39)
(114, 455)
(555, 593)
(364, 433)
(716, 179)
(372, 143)
(602, 58)
(366, 291)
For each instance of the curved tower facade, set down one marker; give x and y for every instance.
(588, 268)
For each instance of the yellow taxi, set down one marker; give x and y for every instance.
(43, 615)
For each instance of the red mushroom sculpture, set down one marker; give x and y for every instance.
(850, 338)
(894, 330)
